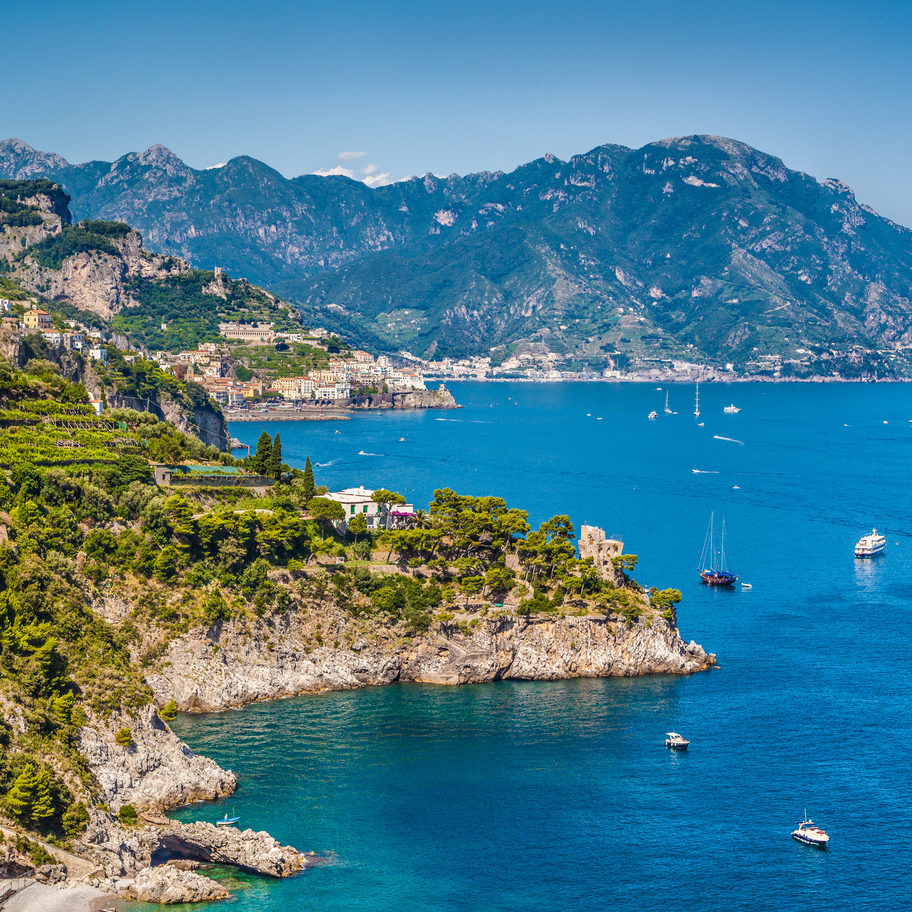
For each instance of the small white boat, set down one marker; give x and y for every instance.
(870, 545)
(228, 821)
(676, 742)
(747, 586)
(731, 409)
(810, 834)
(653, 415)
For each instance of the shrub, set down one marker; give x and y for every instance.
(169, 711)
(127, 815)
(123, 737)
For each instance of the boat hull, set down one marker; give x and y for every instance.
(718, 578)
(870, 552)
(676, 745)
(804, 840)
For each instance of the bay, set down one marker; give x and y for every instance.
(530, 796)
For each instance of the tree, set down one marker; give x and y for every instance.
(471, 585)
(308, 485)
(357, 525)
(43, 805)
(168, 712)
(325, 511)
(127, 814)
(123, 737)
(386, 499)
(262, 458)
(21, 796)
(274, 469)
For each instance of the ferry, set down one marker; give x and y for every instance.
(676, 742)
(810, 834)
(731, 409)
(870, 545)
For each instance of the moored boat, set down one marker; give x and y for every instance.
(713, 570)
(677, 742)
(731, 409)
(810, 834)
(870, 545)
(228, 821)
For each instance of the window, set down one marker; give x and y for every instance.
(353, 509)
(365, 509)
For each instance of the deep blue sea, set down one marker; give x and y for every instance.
(524, 797)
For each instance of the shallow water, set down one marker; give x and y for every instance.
(530, 796)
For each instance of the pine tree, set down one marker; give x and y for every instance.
(263, 454)
(21, 796)
(275, 460)
(43, 805)
(62, 708)
(309, 485)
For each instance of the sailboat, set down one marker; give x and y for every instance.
(713, 571)
(697, 401)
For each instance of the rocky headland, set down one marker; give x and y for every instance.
(230, 665)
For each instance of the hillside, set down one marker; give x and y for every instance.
(699, 249)
(121, 595)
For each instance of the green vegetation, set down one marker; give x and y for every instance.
(82, 237)
(182, 311)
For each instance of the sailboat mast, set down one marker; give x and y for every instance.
(697, 401)
(722, 564)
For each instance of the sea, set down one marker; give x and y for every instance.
(540, 796)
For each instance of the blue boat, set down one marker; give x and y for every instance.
(713, 571)
(227, 821)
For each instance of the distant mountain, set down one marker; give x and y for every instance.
(698, 248)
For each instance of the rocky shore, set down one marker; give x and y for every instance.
(229, 666)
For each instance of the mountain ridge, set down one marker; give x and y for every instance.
(699, 249)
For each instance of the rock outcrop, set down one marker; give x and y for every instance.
(226, 666)
(440, 398)
(167, 884)
(256, 852)
(157, 771)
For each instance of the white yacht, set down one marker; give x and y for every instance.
(869, 545)
(731, 409)
(676, 742)
(810, 834)
(653, 415)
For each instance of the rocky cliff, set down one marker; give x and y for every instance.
(229, 666)
(440, 398)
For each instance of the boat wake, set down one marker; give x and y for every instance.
(729, 439)
(705, 471)
(362, 453)
(323, 465)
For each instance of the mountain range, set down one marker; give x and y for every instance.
(699, 249)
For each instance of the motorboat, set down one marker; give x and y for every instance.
(653, 415)
(731, 409)
(810, 834)
(228, 821)
(676, 742)
(870, 545)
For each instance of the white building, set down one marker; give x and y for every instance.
(357, 501)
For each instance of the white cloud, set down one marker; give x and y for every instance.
(370, 174)
(350, 156)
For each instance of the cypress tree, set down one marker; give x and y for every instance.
(275, 460)
(309, 484)
(263, 454)
(21, 796)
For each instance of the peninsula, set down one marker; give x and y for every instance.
(145, 571)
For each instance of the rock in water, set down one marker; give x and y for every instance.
(167, 885)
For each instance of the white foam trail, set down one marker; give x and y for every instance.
(705, 471)
(362, 453)
(729, 439)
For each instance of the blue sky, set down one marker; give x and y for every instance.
(409, 87)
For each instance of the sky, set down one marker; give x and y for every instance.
(385, 91)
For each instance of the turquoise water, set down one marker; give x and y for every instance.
(538, 796)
